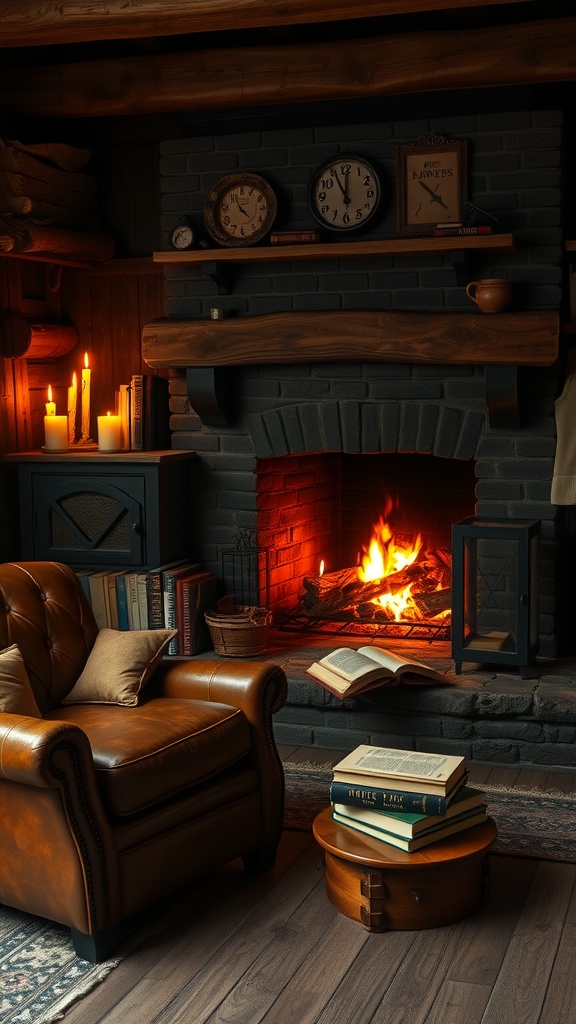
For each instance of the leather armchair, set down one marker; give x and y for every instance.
(106, 809)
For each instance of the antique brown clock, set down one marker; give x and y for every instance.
(240, 209)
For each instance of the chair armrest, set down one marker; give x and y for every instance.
(55, 825)
(31, 748)
(259, 689)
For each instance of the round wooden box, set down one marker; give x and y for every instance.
(386, 889)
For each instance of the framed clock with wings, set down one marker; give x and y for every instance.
(431, 184)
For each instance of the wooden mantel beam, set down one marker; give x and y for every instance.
(28, 23)
(321, 336)
(530, 53)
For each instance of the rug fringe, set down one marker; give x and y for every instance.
(59, 1009)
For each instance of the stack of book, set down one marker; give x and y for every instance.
(172, 596)
(143, 406)
(406, 798)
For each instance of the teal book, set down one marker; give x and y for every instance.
(122, 602)
(402, 823)
(388, 799)
(433, 835)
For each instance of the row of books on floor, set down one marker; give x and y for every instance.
(406, 798)
(173, 596)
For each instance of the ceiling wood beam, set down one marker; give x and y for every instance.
(526, 54)
(28, 23)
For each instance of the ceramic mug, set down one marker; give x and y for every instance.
(491, 295)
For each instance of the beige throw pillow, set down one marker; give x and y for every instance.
(120, 664)
(16, 696)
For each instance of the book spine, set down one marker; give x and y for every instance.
(186, 635)
(294, 237)
(136, 412)
(142, 594)
(387, 799)
(481, 229)
(170, 616)
(155, 600)
(133, 607)
(122, 602)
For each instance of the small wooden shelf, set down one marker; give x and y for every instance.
(337, 250)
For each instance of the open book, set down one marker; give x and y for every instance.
(346, 671)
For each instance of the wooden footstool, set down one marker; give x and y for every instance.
(386, 889)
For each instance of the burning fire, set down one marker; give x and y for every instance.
(398, 578)
(384, 557)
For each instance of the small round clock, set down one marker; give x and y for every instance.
(182, 237)
(344, 193)
(240, 209)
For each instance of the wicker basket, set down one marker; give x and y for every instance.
(241, 633)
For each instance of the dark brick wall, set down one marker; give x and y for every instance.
(515, 173)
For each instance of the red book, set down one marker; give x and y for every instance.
(294, 237)
(194, 595)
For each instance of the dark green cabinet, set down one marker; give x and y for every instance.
(93, 510)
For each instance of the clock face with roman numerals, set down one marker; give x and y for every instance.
(240, 209)
(344, 194)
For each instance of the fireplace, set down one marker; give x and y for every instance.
(332, 524)
(349, 392)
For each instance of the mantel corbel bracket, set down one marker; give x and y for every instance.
(208, 390)
(501, 383)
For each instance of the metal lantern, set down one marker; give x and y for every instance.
(495, 591)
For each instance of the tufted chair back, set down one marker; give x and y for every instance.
(52, 623)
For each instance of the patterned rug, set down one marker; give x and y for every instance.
(529, 824)
(40, 974)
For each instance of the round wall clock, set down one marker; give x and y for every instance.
(182, 236)
(344, 193)
(240, 209)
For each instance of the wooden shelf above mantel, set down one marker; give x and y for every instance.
(337, 250)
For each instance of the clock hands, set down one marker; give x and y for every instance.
(241, 208)
(434, 197)
(343, 188)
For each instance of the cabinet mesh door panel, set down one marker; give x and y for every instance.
(102, 520)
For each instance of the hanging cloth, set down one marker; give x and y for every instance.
(564, 477)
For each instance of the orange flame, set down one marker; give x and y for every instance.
(384, 557)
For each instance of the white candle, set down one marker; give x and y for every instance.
(56, 433)
(86, 373)
(50, 405)
(72, 402)
(109, 433)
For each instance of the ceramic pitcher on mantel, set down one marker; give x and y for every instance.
(491, 295)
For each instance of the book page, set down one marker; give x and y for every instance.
(395, 762)
(349, 664)
(389, 660)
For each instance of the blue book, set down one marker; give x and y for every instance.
(122, 601)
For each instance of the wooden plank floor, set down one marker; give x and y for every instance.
(243, 950)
